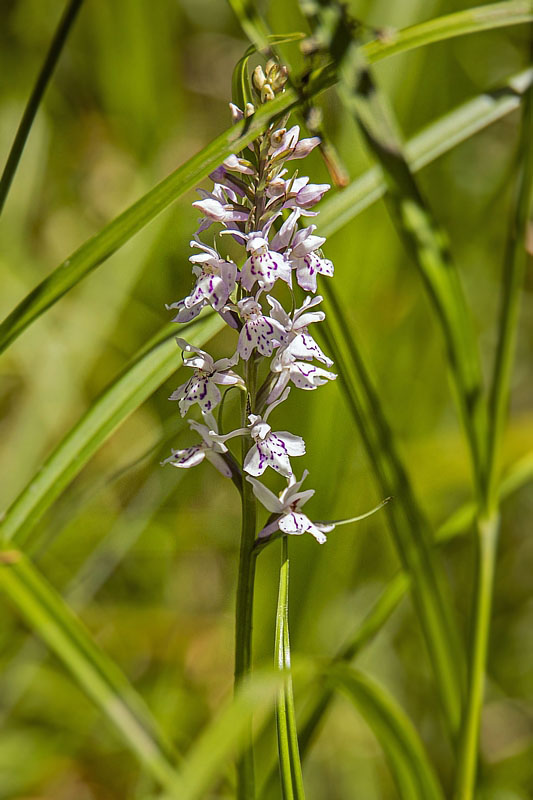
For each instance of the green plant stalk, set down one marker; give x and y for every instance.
(245, 594)
(288, 750)
(96, 250)
(487, 527)
(486, 546)
(56, 46)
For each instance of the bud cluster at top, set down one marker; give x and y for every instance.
(262, 207)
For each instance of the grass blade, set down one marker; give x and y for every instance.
(438, 138)
(413, 218)
(56, 46)
(210, 754)
(514, 269)
(96, 250)
(99, 677)
(409, 527)
(145, 373)
(414, 775)
(289, 755)
(460, 23)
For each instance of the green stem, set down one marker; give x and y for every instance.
(486, 546)
(245, 599)
(56, 46)
(289, 756)
(488, 524)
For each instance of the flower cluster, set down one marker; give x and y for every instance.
(261, 207)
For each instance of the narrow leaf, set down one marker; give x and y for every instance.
(289, 755)
(411, 769)
(56, 46)
(50, 617)
(145, 373)
(409, 527)
(414, 220)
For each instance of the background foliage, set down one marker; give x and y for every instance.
(148, 556)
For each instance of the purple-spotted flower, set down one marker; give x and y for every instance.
(288, 505)
(208, 448)
(299, 341)
(302, 374)
(270, 449)
(263, 265)
(296, 192)
(258, 331)
(202, 388)
(220, 205)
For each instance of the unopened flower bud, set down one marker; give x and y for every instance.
(279, 78)
(267, 93)
(249, 109)
(258, 78)
(276, 137)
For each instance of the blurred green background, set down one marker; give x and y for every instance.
(147, 555)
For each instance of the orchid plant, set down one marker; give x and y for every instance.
(262, 207)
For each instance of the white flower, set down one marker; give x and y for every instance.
(302, 374)
(258, 331)
(209, 448)
(305, 259)
(299, 342)
(270, 449)
(263, 265)
(202, 387)
(288, 505)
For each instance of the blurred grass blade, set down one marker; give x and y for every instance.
(514, 269)
(145, 373)
(433, 141)
(414, 775)
(460, 23)
(56, 46)
(209, 756)
(289, 756)
(373, 622)
(517, 254)
(49, 616)
(409, 527)
(415, 223)
(251, 23)
(96, 250)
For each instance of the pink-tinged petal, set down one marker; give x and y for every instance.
(218, 462)
(227, 379)
(304, 147)
(308, 196)
(239, 165)
(283, 237)
(294, 445)
(189, 457)
(236, 113)
(279, 386)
